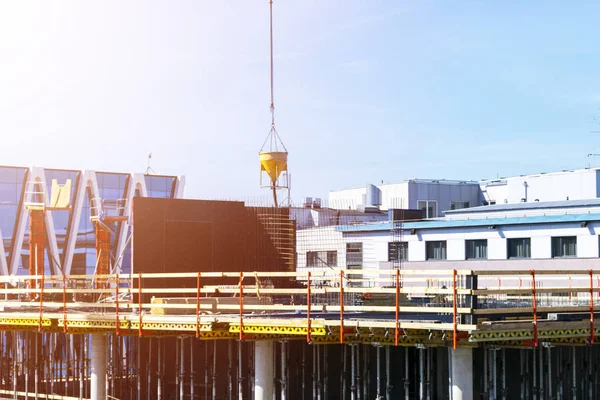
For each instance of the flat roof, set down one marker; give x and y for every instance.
(536, 205)
(466, 223)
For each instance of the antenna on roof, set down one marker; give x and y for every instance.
(149, 170)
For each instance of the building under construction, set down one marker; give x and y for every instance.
(113, 286)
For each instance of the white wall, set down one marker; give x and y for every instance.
(375, 244)
(347, 198)
(574, 185)
(394, 195)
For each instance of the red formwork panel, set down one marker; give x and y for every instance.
(177, 235)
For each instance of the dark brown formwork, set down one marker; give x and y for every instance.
(176, 235)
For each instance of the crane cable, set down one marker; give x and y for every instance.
(272, 80)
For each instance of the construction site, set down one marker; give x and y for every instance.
(115, 286)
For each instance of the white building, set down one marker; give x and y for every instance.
(435, 197)
(541, 235)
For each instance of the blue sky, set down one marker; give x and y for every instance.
(366, 90)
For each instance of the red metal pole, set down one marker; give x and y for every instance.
(533, 292)
(455, 328)
(198, 307)
(308, 324)
(342, 307)
(397, 331)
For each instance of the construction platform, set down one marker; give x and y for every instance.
(403, 308)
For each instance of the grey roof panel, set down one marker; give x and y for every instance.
(528, 206)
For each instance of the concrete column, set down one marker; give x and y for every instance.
(98, 381)
(263, 370)
(462, 373)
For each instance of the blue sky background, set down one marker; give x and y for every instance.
(366, 90)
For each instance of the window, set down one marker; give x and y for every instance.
(321, 258)
(476, 249)
(429, 208)
(519, 248)
(398, 251)
(457, 205)
(354, 255)
(564, 246)
(436, 250)
(489, 203)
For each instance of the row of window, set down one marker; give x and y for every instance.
(563, 246)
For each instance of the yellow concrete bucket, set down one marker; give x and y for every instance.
(273, 163)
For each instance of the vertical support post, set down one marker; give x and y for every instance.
(229, 370)
(81, 366)
(283, 370)
(397, 330)
(534, 304)
(192, 370)
(308, 321)
(359, 393)
(314, 372)
(574, 369)
(462, 373)
(140, 333)
(198, 307)
(344, 376)
(181, 369)
(550, 388)
(541, 385)
(37, 365)
(263, 367)
(421, 373)
(149, 368)
(535, 388)
(241, 306)
(240, 377)
(98, 379)
(378, 391)
(406, 375)
(353, 372)
(388, 378)
(342, 307)
(177, 375)
(214, 371)
(503, 374)
(116, 304)
(325, 374)
(319, 385)
(486, 378)
(494, 374)
(159, 371)
(591, 307)
(454, 305)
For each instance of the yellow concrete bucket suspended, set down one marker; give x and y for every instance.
(273, 157)
(273, 163)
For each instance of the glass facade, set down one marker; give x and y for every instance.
(111, 186)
